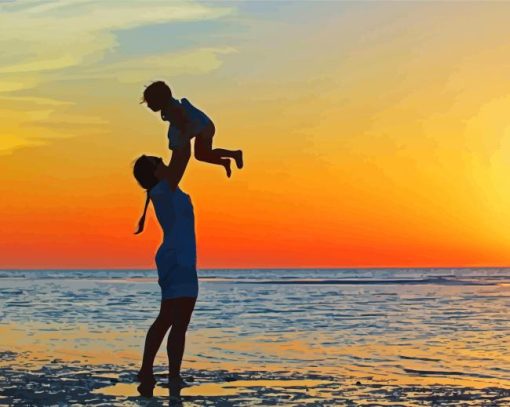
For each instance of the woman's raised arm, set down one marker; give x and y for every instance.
(178, 163)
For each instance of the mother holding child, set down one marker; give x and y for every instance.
(176, 257)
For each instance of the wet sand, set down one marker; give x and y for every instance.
(28, 381)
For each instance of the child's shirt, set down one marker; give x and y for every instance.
(198, 120)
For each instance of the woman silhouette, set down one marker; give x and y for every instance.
(175, 260)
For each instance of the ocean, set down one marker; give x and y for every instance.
(404, 330)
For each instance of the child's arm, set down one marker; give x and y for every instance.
(180, 128)
(180, 147)
(181, 121)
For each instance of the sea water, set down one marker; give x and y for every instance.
(397, 325)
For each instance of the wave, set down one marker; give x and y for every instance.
(468, 277)
(420, 372)
(434, 281)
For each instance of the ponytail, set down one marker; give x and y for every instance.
(141, 222)
(143, 170)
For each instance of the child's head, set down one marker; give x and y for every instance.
(157, 95)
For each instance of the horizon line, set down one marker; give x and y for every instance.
(258, 268)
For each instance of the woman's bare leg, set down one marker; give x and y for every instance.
(153, 340)
(176, 338)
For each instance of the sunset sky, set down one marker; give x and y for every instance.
(375, 134)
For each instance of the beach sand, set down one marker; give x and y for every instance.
(29, 380)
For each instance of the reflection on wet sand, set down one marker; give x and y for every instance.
(215, 389)
(59, 382)
(443, 362)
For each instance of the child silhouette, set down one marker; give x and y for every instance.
(186, 122)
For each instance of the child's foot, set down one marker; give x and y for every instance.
(239, 159)
(226, 164)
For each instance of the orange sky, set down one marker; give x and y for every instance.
(375, 134)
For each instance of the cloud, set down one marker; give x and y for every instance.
(60, 41)
(143, 69)
(37, 37)
(34, 121)
(34, 100)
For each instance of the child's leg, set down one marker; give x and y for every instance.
(237, 155)
(205, 153)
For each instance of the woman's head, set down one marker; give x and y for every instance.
(144, 169)
(144, 172)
